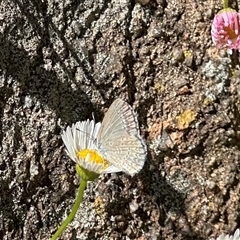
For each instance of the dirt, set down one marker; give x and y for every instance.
(61, 61)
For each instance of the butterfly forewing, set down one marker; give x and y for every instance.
(119, 140)
(119, 117)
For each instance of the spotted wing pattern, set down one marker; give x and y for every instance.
(119, 139)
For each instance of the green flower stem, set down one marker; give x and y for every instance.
(76, 205)
(225, 3)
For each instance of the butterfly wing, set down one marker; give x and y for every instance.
(119, 140)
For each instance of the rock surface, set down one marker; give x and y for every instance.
(62, 60)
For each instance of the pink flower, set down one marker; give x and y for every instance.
(226, 29)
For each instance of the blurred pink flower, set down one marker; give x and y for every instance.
(226, 29)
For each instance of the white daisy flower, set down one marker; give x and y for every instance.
(236, 236)
(81, 143)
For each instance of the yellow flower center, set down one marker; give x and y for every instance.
(230, 33)
(94, 157)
